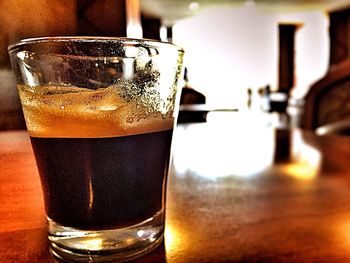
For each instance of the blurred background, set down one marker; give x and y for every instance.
(240, 54)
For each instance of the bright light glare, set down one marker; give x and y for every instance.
(173, 239)
(236, 150)
(306, 160)
(133, 19)
(140, 233)
(193, 6)
(163, 33)
(134, 31)
(91, 244)
(170, 238)
(31, 77)
(22, 55)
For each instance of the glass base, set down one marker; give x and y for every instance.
(75, 245)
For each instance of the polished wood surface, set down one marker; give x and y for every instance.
(246, 193)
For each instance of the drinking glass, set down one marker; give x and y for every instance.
(100, 114)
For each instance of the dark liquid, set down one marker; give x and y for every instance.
(101, 183)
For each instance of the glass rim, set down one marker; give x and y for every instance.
(88, 39)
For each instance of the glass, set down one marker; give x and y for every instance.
(100, 114)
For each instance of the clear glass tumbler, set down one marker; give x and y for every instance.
(100, 114)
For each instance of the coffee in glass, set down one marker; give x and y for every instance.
(100, 114)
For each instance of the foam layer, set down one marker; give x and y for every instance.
(59, 111)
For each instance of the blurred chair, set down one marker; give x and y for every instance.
(327, 104)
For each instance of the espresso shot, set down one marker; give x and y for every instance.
(100, 114)
(97, 177)
(103, 183)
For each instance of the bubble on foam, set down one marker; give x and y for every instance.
(142, 89)
(77, 101)
(106, 99)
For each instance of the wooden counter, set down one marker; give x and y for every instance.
(235, 194)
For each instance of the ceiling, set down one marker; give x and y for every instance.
(172, 10)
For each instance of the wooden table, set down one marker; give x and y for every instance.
(235, 194)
